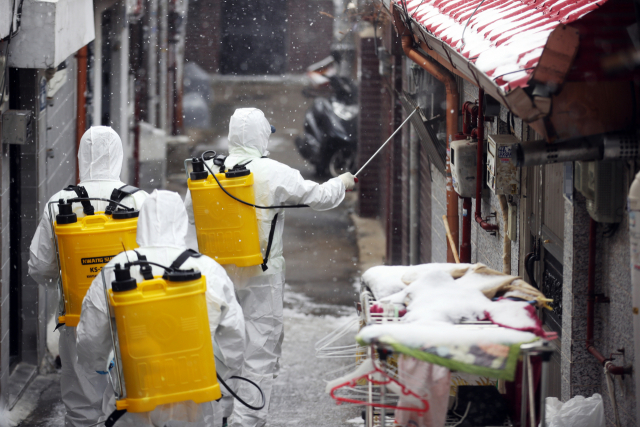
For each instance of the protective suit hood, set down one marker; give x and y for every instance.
(162, 221)
(100, 154)
(249, 132)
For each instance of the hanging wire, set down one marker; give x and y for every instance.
(465, 26)
(513, 72)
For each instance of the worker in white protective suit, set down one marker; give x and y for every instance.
(261, 292)
(99, 162)
(162, 227)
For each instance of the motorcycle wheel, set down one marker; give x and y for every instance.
(340, 162)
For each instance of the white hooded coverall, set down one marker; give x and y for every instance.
(261, 293)
(99, 162)
(162, 227)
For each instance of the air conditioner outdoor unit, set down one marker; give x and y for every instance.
(601, 183)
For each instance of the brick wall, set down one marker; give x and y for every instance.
(369, 129)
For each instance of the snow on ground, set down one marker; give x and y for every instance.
(299, 398)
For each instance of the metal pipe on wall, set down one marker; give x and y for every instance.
(164, 65)
(480, 163)
(152, 63)
(452, 103)
(595, 147)
(465, 245)
(81, 102)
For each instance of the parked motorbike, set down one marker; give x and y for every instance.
(330, 129)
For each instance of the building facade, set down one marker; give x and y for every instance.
(66, 66)
(545, 229)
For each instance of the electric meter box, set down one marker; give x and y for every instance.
(463, 167)
(16, 127)
(602, 184)
(503, 177)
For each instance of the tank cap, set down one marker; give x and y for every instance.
(199, 171)
(237, 171)
(65, 213)
(181, 275)
(125, 214)
(124, 281)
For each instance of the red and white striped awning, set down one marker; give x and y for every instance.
(503, 39)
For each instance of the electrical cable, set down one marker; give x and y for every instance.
(465, 26)
(204, 161)
(255, 408)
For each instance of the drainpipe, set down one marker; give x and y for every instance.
(453, 100)
(591, 300)
(465, 245)
(163, 44)
(152, 64)
(485, 225)
(81, 102)
(506, 241)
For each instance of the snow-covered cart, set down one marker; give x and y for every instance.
(420, 325)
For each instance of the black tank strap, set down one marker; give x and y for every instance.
(271, 232)
(81, 192)
(145, 269)
(183, 257)
(117, 195)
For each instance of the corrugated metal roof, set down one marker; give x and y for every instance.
(505, 38)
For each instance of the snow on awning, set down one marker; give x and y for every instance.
(503, 39)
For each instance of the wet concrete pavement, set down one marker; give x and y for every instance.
(322, 268)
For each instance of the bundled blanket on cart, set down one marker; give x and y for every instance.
(443, 301)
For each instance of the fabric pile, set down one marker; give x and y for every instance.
(443, 304)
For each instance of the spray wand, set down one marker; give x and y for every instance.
(385, 143)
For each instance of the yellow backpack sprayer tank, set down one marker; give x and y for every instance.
(85, 245)
(227, 230)
(164, 339)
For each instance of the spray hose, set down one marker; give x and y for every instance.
(234, 197)
(255, 408)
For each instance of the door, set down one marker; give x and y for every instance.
(542, 249)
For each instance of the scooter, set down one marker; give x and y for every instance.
(331, 129)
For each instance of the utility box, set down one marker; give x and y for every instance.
(463, 167)
(601, 183)
(503, 177)
(16, 127)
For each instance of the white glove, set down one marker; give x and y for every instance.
(348, 180)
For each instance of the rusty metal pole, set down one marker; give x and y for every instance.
(81, 101)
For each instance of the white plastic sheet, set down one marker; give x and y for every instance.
(576, 412)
